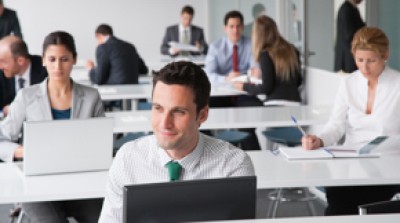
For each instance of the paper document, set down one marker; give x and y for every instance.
(293, 153)
(183, 46)
(247, 79)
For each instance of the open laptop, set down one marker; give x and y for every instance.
(193, 200)
(64, 146)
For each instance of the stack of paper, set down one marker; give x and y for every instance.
(183, 47)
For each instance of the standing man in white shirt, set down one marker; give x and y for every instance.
(180, 105)
(185, 33)
(18, 69)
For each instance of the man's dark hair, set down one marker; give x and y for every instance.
(19, 48)
(60, 38)
(104, 29)
(187, 74)
(1, 2)
(188, 9)
(233, 14)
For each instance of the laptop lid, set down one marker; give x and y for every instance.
(192, 200)
(63, 146)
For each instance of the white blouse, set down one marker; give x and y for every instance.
(349, 112)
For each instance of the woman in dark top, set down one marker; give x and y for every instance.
(279, 64)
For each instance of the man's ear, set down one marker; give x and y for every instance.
(21, 60)
(203, 114)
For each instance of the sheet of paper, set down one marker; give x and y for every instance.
(293, 153)
(246, 79)
(183, 47)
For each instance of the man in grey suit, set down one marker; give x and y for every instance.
(18, 69)
(118, 61)
(185, 33)
(9, 23)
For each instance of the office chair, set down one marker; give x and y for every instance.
(384, 207)
(17, 214)
(290, 137)
(234, 137)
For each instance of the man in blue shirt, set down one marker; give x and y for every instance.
(227, 58)
(219, 64)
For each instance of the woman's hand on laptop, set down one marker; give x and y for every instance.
(19, 152)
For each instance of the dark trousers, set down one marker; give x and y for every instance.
(251, 143)
(345, 200)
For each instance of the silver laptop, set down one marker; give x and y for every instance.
(64, 146)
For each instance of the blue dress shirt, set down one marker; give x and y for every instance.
(219, 62)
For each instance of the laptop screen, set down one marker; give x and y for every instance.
(196, 200)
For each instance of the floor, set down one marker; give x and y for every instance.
(286, 209)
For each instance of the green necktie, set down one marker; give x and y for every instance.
(174, 170)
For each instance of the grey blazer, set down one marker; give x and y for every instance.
(32, 104)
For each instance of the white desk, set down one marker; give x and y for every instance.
(140, 91)
(165, 59)
(15, 187)
(81, 75)
(225, 118)
(271, 172)
(390, 218)
(275, 171)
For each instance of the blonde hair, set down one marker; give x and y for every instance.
(370, 38)
(266, 36)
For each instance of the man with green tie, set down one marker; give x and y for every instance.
(177, 150)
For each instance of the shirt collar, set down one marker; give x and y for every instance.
(381, 77)
(25, 75)
(188, 162)
(182, 29)
(230, 44)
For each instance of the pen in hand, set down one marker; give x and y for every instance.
(298, 126)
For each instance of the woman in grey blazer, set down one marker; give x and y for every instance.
(57, 97)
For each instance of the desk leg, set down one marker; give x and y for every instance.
(134, 104)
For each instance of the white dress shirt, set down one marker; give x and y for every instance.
(182, 31)
(143, 161)
(349, 112)
(25, 76)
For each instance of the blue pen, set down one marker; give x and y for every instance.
(298, 126)
(329, 151)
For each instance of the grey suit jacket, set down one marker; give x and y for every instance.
(172, 34)
(32, 104)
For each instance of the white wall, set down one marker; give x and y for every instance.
(141, 22)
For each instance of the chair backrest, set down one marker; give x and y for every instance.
(384, 207)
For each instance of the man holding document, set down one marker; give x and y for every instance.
(184, 38)
(366, 107)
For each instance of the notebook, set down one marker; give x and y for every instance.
(64, 146)
(370, 150)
